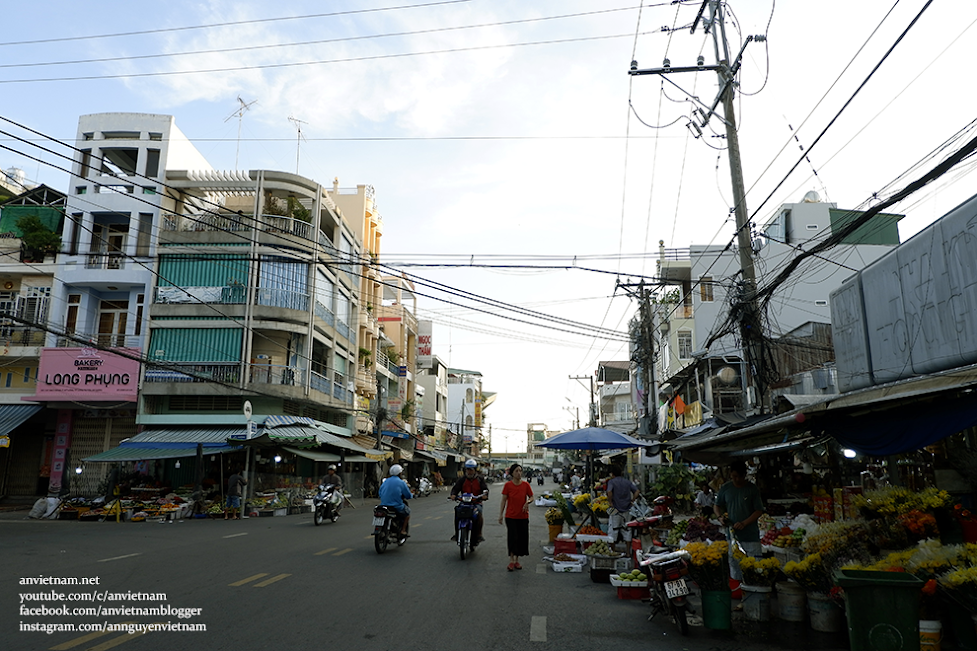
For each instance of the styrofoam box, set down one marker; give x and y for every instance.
(617, 583)
(567, 567)
(585, 538)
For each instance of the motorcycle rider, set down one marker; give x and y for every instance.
(332, 479)
(394, 492)
(473, 483)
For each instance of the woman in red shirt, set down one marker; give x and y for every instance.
(517, 495)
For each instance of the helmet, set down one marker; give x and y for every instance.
(332, 466)
(471, 464)
(396, 469)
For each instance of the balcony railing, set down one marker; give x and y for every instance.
(325, 314)
(320, 383)
(102, 339)
(194, 372)
(174, 222)
(342, 329)
(287, 225)
(275, 374)
(232, 295)
(12, 335)
(114, 260)
(283, 298)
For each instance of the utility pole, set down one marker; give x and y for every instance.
(745, 307)
(593, 408)
(647, 349)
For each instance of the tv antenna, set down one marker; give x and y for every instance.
(239, 114)
(298, 139)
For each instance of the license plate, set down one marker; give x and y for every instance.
(378, 522)
(676, 589)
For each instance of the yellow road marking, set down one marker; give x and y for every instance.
(368, 537)
(419, 524)
(271, 580)
(326, 551)
(248, 580)
(428, 518)
(439, 517)
(116, 641)
(348, 549)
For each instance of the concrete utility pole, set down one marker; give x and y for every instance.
(745, 307)
(648, 424)
(593, 410)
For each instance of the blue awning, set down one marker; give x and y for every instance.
(13, 416)
(395, 434)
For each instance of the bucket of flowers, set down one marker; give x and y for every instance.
(760, 573)
(811, 573)
(554, 518)
(708, 565)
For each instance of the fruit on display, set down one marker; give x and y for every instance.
(600, 548)
(701, 530)
(564, 558)
(678, 530)
(590, 531)
(633, 575)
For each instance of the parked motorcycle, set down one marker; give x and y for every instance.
(465, 513)
(669, 590)
(386, 528)
(326, 503)
(424, 487)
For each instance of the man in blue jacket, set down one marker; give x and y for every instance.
(394, 492)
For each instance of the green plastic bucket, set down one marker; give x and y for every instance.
(882, 608)
(717, 609)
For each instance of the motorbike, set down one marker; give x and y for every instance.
(465, 513)
(325, 504)
(387, 523)
(424, 487)
(669, 589)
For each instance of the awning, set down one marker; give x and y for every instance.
(135, 453)
(13, 416)
(359, 458)
(315, 455)
(183, 436)
(396, 434)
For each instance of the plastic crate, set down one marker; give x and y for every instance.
(633, 592)
(618, 583)
(564, 546)
(610, 563)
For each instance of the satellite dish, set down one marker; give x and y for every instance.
(812, 197)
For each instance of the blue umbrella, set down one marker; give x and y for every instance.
(592, 438)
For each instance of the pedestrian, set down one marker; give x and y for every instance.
(739, 506)
(517, 495)
(705, 499)
(234, 485)
(576, 483)
(621, 493)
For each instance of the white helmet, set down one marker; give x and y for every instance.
(471, 463)
(396, 469)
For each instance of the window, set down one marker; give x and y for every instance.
(86, 163)
(75, 233)
(112, 318)
(119, 161)
(155, 136)
(88, 136)
(705, 289)
(152, 163)
(140, 299)
(81, 189)
(142, 236)
(120, 135)
(71, 319)
(149, 190)
(468, 395)
(685, 344)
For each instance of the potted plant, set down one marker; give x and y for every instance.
(37, 240)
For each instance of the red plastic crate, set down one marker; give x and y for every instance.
(633, 593)
(564, 546)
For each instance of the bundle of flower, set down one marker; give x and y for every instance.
(919, 523)
(961, 585)
(581, 501)
(554, 516)
(561, 503)
(897, 500)
(708, 565)
(832, 540)
(762, 573)
(600, 505)
(811, 573)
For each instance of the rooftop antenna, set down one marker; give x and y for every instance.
(239, 114)
(298, 139)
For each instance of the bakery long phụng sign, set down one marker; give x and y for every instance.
(88, 374)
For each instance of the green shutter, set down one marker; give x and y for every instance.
(196, 344)
(218, 270)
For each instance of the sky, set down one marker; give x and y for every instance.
(508, 134)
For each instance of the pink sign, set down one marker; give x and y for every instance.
(87, 374)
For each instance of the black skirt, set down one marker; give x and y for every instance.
(518, 536)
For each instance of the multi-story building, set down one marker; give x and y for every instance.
(27, 263)
(704, 280)
(228, 285)
(616, 406)
(466, 409)
(396, 362)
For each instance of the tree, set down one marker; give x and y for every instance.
(37, 239)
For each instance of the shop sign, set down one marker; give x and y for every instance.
(87, 374)
(4, 441)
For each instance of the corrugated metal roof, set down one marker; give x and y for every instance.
(12, 416)
(186, 435)
(315, 455)
(131, 453)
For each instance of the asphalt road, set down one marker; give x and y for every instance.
(283, 583)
